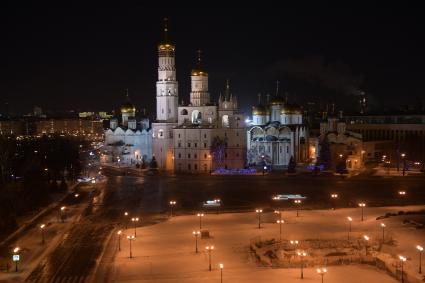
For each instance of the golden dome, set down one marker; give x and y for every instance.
(166, 47)
(291, 109)
(277, 100)
(128, 108)
(199, 72)
(258, 110)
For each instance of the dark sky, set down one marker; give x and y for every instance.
(82, 56)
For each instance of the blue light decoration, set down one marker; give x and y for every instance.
(247, 171)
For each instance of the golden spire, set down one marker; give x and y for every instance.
(165, 45)
(165, 30)
(199, 57)
(198, 71)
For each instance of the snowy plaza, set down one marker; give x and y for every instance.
(165, 252)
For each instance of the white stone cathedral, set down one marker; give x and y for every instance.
(200, 136)
(276, 134)
(128, 140)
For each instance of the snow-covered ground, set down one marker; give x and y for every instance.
(165, 252)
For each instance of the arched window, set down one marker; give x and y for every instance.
(225, 121)
(196, 117)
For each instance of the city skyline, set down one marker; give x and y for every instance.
(85, 61)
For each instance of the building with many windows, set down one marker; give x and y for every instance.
(200, 136)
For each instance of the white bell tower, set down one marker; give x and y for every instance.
(166, 86)
(166, 104)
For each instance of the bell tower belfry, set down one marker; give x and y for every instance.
(166, 104)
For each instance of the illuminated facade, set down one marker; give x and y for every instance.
(345, 146)
(199, 136)
(128, 140)
(166, 105)
(276, 134)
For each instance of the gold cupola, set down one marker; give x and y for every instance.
(199, 71)
(165, 46)
(127, 107)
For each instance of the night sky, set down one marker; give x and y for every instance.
(84, 56)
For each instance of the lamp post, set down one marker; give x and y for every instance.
(334, 197)
(302, 255)
(349, 226)
(16, 257)
(196, 234)
(383, 232)
(135, 220)
(259, 211)
(366, 238)
(130, 239)
(297, 202)
(218, 202)
(294, 243)
(210, 158)
(42, 226)
(280, 222)
(403, 155)
(209, 250)
(172, 204)
(119, 239)
(402, 260)
(200, 215)
(322, 272)
(126, 219)
(62, 214)
(221, 272)
(420, 249)
(362, 205)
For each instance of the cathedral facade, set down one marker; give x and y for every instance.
(128, 140)
(276, 134)
(199, 136)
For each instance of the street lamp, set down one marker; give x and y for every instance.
(221, 272)
(403, 155)
(172, 204)
(196, 234)
(200, 215)
(297, 202)
(349, 226)
(402, 260)
(420, 249)
(135, 220)
(383, 232)
(294, 243)
(322, 272)
(280, 222)
(209, 157)
(119, 239)
(218, 202)
(366, 238)
(362, 205)
(259, 211)
(302, 255)
(334, 197)
(62, 213)
(42, 226)
(16, 257)
(209, 250)
(76, 195)
(126, 219)
(130, 239)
